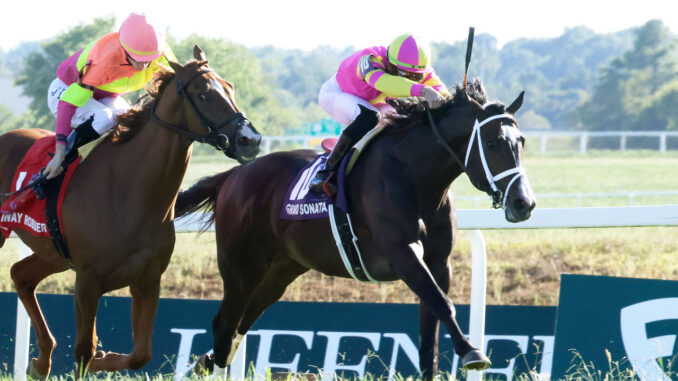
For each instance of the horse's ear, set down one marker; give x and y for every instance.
(198, 54)
(513, 108)
(176, 66)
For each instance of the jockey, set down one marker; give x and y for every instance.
(85, 93)
(357, 94)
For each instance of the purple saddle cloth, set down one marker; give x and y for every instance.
(302, 204)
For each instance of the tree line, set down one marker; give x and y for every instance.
(578, 81)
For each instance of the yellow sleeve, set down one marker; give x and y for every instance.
(77, 95)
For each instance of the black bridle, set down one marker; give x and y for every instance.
(217, 140)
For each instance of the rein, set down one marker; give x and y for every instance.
(498, 197)
(213, 137)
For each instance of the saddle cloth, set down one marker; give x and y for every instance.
(24, 210)
(302, 204)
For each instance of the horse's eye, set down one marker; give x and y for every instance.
(202, 97)
(493, 143)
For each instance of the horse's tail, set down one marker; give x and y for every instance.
(201, 196)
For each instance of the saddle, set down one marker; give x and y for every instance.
(36, 206)
(300, 204)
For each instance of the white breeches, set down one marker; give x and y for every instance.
(104, 110)
(343, 107)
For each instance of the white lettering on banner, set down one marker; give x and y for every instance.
(264, 352)
(643, 351)
(521, 341)
(184, 353)
(330, 365)
(546, 363)
(402, 340)
(5, 217)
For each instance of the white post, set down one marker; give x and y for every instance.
(23, 328)
(267, 146)
(238, 366)
(582, 143)
(478, 296)
(542, 144)
(662, 143)
(622, 143)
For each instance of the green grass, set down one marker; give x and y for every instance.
(523, 265)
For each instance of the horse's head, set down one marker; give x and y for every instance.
(494, 154)
(211, 113)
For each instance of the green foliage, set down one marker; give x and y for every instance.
(638, 90)
(10, 122)
(254, 95)
(40, 66)
(626, 80)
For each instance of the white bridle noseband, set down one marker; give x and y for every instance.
(517, 172)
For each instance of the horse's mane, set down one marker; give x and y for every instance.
(131, 121)
(412, 111)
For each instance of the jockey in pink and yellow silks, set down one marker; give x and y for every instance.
(86, 93)
(357, 94)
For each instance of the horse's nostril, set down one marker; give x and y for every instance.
(520, 205)
(244, 140)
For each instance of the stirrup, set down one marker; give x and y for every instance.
(330, 188)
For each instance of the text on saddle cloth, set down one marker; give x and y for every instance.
(24, 210)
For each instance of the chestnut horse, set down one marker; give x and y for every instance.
(119, 209)
(402, 215)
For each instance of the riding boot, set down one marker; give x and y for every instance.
(325, 179)
(81, 135)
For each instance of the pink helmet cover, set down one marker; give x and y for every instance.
(140, 39)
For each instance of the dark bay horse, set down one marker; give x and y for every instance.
(118, 211)
(402, 215)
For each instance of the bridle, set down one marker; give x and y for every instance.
(498, 197)
(217, 140)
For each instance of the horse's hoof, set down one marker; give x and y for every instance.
(204, 365)
(475, 360)
(32, 371)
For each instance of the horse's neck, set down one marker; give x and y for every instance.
(160, 159)
(432, 167)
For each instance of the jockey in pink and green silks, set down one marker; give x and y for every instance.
(357, 94)
(85, 96)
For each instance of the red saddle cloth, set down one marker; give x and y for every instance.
(24, 210)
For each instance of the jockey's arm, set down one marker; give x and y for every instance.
(394, 86)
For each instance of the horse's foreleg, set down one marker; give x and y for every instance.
(406, 261)
(241, 279)
(87, 295)
(438, 243)
(144, 306)
(26, 274)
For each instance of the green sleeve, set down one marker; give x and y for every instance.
(77, 95)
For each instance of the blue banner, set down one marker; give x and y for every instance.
(349, 338)
(618, 325)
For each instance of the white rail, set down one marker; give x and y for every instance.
(584, 138)
(472, 220)
(631, 197)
